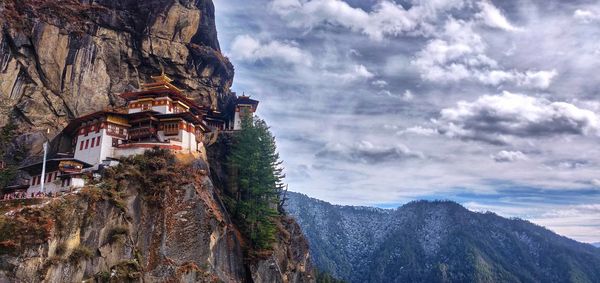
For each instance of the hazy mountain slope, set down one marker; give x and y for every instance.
(437, 242)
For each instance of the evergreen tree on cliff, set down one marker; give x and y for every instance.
(255, 159)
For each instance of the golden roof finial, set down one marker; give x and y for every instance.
(161, 82)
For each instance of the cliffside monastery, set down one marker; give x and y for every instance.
(159, 115)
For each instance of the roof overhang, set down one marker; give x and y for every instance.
(51, 165)
(173, 94)
(74, 125)
(246, 100)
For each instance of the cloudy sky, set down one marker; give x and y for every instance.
(493, 104)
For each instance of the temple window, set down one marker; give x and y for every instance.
(171, 128)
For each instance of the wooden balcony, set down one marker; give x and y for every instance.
(142, 133)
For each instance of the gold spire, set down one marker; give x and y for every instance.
(161, 82)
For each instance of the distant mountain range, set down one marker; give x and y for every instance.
(437, 241)
(596, 245)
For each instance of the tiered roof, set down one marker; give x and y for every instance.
(161, 82)
(162, 87)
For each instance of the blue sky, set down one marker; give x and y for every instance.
(493, 104)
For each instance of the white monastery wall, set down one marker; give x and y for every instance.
(89, 147)
(52, 184)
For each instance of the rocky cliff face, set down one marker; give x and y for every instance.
(151, 219)
(60, 59)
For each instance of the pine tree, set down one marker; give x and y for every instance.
(260, 176)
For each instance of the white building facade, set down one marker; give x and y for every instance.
(243, 106)
(62, 174)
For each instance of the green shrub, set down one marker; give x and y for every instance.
(81, 253)
(126, 271)
(102, 276)
(152, 173)
(118, 234)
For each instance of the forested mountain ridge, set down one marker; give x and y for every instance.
(437, 241)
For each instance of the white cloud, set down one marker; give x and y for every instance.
(537, 79)
(586, 16)
(386, 18)
(496, 118)
(578, 221)
(508, 156)
(491, 16)
(459, 54)
(532, 79)
(407, 95)
(418, 130)
(379, 83)
(247, 48)
(356, 72)
(326, 69)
